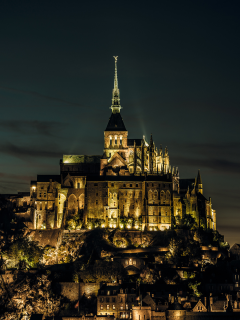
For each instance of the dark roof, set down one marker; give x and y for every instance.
(130, 142)
(46, 178)
(115, 123)
(201, 196)
(175, 306)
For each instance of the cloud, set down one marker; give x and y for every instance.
(47, 128)
(216, 164)
(24, 152)
(39, 95)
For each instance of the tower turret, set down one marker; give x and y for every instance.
(166, 161)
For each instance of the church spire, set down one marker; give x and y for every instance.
(116, 94)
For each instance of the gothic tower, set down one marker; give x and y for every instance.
(115, 135)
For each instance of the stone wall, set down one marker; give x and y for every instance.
(74, 291)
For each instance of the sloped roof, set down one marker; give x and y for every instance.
(115, 123)
(130, 142)
(46, 178)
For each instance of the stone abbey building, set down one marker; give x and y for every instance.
(131, 181)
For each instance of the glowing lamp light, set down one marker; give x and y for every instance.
(128, 226)
(121, 226)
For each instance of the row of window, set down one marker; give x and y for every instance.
(113, 307)
(132, 185)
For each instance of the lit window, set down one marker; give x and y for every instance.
(107, 306)
(113, 306)
(101, 307)
(120, 141)
(110, 141)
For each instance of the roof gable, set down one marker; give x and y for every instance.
(199, 307)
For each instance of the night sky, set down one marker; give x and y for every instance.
(178, 71)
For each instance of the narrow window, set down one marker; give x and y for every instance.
(115, 139)
(96, 201)
(110, 141)
(78, 185)
(120, 141)
(136, 185)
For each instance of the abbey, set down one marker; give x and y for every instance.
(131, 185)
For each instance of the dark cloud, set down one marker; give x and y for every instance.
(39, 95)
(216, 164)
(24, 152)
(46, 128)
(225, 149)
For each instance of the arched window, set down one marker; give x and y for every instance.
(72, 203)
(115, 139)
(168, 195)
(120, 140)
(150, 195)
(81, 201)
(110, 140)
(162, 196)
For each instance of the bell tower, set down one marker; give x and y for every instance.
(115, 135)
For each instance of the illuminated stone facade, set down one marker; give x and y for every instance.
(131, 185)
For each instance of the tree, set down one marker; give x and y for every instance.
(24, 253)
(189, 222)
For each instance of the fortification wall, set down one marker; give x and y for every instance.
(74, 291)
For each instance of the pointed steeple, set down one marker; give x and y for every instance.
(199, 179)
(199, 184)
(151, 140)
(160, 150)
(166, 151)
(115, 122)
(116, 94)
